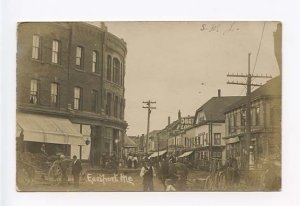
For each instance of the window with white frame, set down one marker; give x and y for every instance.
(217, 138)
(79, 57)
(33, 91)
(121, 79)
(243, 117)
(55, 52)
(116, 71)
(54, 94)
(95, 62)
(108, 68)
(36, 44)
(77, 98)
(257, 116)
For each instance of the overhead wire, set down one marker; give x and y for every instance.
(261, 37)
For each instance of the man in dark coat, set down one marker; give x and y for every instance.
(164, 171)
(76, 169)
(147, 172)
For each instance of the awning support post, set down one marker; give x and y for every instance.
(80, 152)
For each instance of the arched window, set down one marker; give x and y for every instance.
(108, 72)
(116, 72)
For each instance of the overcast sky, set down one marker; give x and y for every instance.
(181, 65)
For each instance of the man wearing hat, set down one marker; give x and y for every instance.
(147, 172)
(64, 164)
(76, 169)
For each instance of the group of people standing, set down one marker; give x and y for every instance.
(172, 175)
(132, 161)
(61, 167)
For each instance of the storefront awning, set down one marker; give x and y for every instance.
(186, 154)
(42, 128)
(159, 153)
(128, 142)
(232, 140)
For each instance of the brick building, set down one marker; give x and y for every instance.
(71, 74)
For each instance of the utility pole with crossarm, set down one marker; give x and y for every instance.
(249, 83)
(148, 103)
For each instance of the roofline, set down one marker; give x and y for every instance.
(252, 100)
(205, 123)
(201, 108)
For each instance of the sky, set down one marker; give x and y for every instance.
(181, 65)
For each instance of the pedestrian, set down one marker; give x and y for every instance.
(147, 172)
(169, 186)
(43, 149)
(76, 169)
(236, 172)
(64, 167)
(129, 161)
(135, 161)
(164, 171)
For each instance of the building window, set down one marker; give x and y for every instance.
(116, 104)
(54, 94)
(257, 116)
(116, 71)
(121, 108)
(95, 64)
(243, 117)
(77, 98)
(94, 100)
(55, 52)
(79, 57)
(206, 139)
(34, 91)
(36, 44)
(108, 73)
(108, 104)
(233, 121)
(217, 138)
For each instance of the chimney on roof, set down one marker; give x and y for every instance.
(179, 115)
(219, 92)
(169, 120)
(103, 26)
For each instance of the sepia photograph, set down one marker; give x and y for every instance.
(149, 106)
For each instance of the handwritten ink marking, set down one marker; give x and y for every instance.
(219, 28)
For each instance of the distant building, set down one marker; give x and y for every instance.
(138, 140)
(129, 146)
(204, 138)
(70, 89)
(153, 142)
(265, 125)
(176, 139)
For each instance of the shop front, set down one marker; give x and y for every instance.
(51, 135)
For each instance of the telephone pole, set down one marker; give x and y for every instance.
(148, 103)
(248, 83)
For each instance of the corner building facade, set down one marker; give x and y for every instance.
(71, 72)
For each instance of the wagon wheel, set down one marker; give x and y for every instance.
(221, 181)
(23, 176)
(54, 174)
(209, 183)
